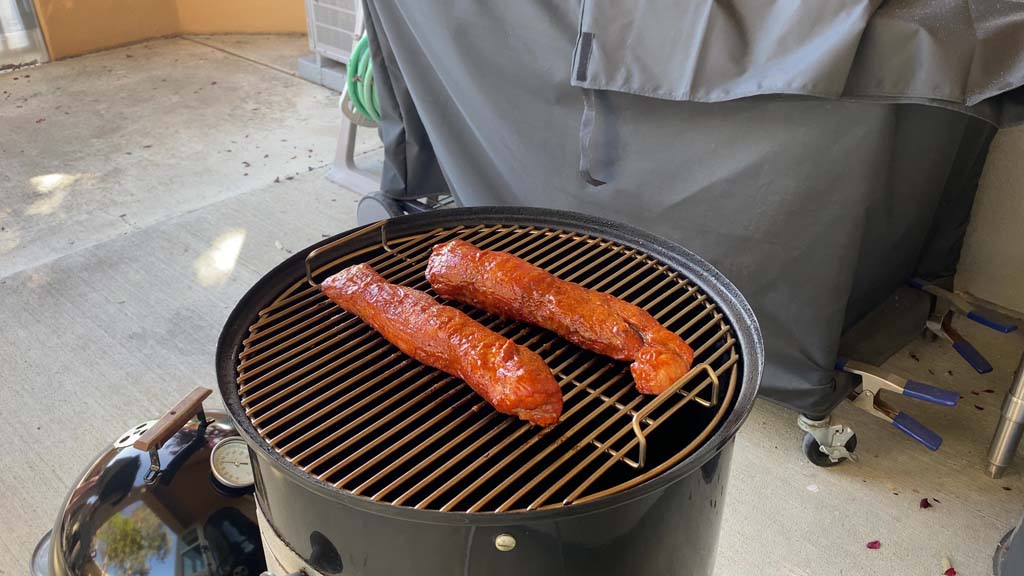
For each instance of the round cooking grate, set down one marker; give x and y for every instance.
(344, 406)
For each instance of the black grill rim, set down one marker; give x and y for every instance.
(732, 304)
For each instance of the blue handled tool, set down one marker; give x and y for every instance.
(928, 393)
(968, 352)
(873, 380)
(917, 431)
(993, 324)
(941, 323)
(943, 328)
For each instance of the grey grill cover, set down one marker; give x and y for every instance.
(818, 153)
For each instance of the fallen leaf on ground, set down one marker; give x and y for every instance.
(925, 503)
(976, 407)
(950, 572)
(874, 545)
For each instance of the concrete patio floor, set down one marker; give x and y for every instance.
(144, 189)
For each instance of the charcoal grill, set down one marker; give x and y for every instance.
(357, 446)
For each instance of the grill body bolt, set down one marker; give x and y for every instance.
(505, 542)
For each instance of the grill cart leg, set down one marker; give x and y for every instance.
(827, 445)
(1011, 426)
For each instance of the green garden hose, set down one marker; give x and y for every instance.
(362, 92)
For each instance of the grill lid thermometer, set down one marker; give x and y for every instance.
(230, 464)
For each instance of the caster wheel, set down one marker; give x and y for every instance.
(812, 449)
(375, 207)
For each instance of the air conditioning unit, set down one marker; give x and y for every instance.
(333, 27)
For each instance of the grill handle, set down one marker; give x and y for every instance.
(168, 425)
(644, 412)
(347, 238)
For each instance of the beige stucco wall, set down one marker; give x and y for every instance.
(992, 261)
(74, 27)
(241, 16)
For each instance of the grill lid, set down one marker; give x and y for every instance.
(113, 522)
(343, 406)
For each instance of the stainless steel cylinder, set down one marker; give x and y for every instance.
(1011, 425)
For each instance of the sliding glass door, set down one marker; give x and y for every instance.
(21, 40)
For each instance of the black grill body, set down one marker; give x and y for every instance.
(668, 524)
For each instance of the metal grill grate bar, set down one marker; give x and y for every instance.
(523, 428)
(340, 466)
(345, 406)
(456, 458)
(468, 395)
(610, 402)
(586, 484)
(397, 272)
(537, 477)
(337, 355)
(388, 268)
(465, 415)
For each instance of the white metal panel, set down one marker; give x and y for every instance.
(332, 27)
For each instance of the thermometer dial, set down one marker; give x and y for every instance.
(230, 464)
